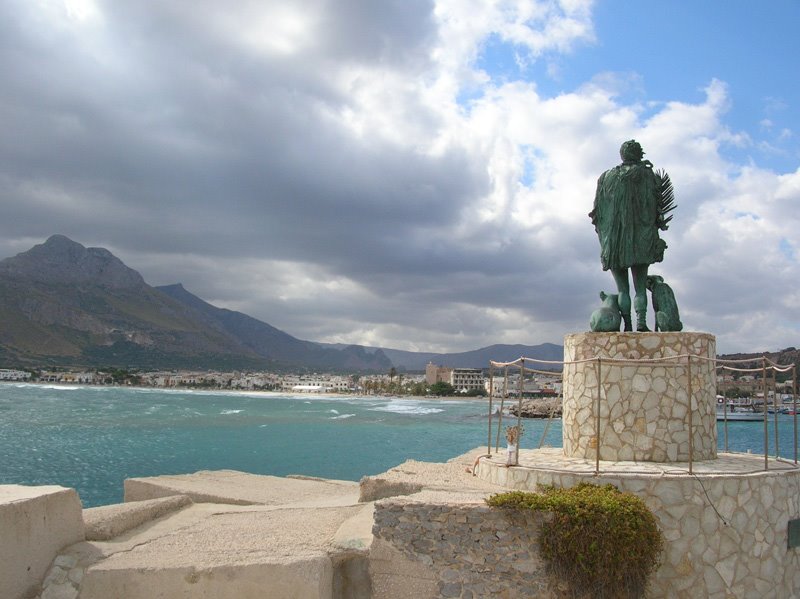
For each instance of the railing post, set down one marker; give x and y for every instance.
(491, 394)
(775, 407)
(724, 412)
(597, 422)
(519, 408)
(691, 419)
(766, 427)
(794, 402)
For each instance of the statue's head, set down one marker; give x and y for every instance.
(631, 151)
(653, 280)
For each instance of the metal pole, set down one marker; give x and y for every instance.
(725, 413)
(794, 402)
(491, 394)
(519, 408)
(691, 420)
(775, 407)
(500, 415)
(766, 427)
(597, 424)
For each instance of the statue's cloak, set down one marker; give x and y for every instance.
(626, 216)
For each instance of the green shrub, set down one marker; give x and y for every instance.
(600, 541)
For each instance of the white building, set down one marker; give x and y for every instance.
(466, 379)
(14, 375)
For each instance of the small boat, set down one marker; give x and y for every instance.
(738, 413)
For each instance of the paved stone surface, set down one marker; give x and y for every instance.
(550, 458)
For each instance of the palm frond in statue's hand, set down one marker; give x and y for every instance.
(666, 200)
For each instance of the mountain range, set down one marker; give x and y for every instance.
(63, 304)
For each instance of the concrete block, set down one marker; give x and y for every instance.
(394, 576)
(35, 524)
(109, 521)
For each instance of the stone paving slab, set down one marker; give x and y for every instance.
(217, 535)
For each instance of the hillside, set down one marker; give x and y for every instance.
(274, 344)
(784, 357)
(62, 304)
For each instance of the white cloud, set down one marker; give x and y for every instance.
(321, 166)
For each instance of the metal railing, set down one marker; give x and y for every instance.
(686, 361)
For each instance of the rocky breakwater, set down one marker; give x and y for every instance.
(538, 408)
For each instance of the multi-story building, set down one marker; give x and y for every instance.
(462, 379)
(466, 379)
(437, 374)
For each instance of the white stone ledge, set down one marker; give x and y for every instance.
(109, 521)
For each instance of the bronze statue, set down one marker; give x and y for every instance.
(664, 305)
(631, 204)
(606, 318)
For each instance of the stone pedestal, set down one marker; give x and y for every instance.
(644, 407)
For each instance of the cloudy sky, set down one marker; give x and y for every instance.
(414, 174)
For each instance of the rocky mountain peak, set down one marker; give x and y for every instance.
(61, 260)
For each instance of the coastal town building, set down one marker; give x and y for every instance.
(532, 386)
(317, 383)
(81, 378)
(437, 374)
(465, 380)
(14, 375)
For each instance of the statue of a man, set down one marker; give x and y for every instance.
(630, 207)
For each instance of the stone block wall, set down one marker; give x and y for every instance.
(726, 535)
(459, 550)
(644, 408)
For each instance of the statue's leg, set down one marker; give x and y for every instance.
(624, 291)
(639, 274)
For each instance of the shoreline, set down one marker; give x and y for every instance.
(244, 392)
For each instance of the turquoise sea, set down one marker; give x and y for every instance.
(92, 438)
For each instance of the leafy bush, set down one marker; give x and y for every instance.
(442, 388)
(600, 541)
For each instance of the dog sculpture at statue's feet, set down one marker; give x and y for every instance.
(664, 305)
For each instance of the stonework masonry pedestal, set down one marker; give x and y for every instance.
(644, 407)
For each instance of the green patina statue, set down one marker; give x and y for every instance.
(631, 204)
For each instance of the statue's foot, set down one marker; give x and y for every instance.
(641, 321)
(627, 320)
